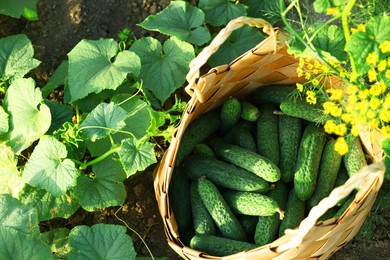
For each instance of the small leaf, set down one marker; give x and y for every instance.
(29, 117)
(60, 114)
(266, 9)
(101, 241)
(220, 12)
(105, 188)
(14, 214)
(58, 240)
(16, 57)
(92, 70)
(3, 121)
(17, 245)
(136, 155)
(386, 146)
(320, 6)
(331, 40)
(105, 119)
(179, 19)
(57, 79)
(17, 8)
(10, 180)
(49, 206)
(164, 68)
(47, 169)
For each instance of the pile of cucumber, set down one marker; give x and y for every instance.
(248, 171)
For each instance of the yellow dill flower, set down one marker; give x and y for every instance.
(311, 97)
(315, 82)
(332, 11)
(341, 129)
(378, 88)
(336, 111)
(374, 123)
(328, 106)
(375, 103)
(387, 75)
(301, 62)
(387, 101)
(363, 94)
(352, 89)
(372, 58)
(354, 130)
(352, 99)
(372, 75)
(341, 146)
(385, 131)
(300, 87)
(300, 72)
(350, 108)
(307, 76)
(384, 115)
(382, 65)
(370, 114)
(310, 66)
(385, 46)
(353, 76)
(330, 127)
(346, 117)
(337, 94)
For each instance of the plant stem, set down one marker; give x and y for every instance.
(77, 115)
(84, 165)
(347, 33)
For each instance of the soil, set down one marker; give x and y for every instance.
(61, 25)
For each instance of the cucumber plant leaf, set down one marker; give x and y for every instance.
(3, 121)
(136, 155)
(104, 188)
(29, 117)
(57, 79)
(14, 214)
(58, 240)
(18, 8)
(16, 57)
(320, 6)
(220, 12)
(48, 169)
(60, 114)
(18, 245)
(105, 119)
(101, 241)
(95, 66)
(179, 19)
(266, 9)
(10, 180)
(164, 67)
(49, 206)
(240, 41)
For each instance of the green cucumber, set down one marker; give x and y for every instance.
(246, 159)
(219, 246)
(267, 133)
(224, 174)
(267, 227)
(243, 138)
(329, 214)
(290, 132)
(294, 213)
(327, 174)
(342, 177)
(251, 203)
(309, 157)
(344, 207)
(203, 150)
(248, 223)
(230, 114)
(219, 210)
(196, 133)
(249, 111)
(354, 159)
(203, 223)
(301, 109)
(273, 94)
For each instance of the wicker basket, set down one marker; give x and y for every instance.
(268, 63)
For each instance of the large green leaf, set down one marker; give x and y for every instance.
(164, 68)
(99, 242)
(14, 214)
(104, 187)
(3, 121)
(239, 42)
(179, 19)
(29, 117)
(136, 155)
(17, 8)
(16, 245)
(49, 206)
(10, 180)
(16, 57)
(105, 119)
(95, 66)
(57, 79)
(59, 113)
(266, 9)
(331, 40)
(220, 12)
(48, 169)
(58, 240)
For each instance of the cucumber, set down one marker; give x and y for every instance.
(290, 132)
(219, 246)
(230, 114)
(354, 159)
(327, 174)
(203, 223)
(342, 177)
(224, 174)
(344, 207)
(179, 197)
(249, 111)
(243, 138)
(246, 159)
(251, 203)
(267, 227)
(273, 94)
(301, 109)
(248, 223)
(309, 157)
(267, 133)
(203, 150)
(329, 214)
(294, 213)
(197, 132)
(219, 210)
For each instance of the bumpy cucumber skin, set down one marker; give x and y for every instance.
(197, 132)
(219, 210)
(342, 177)
(230, 114)
(294, 213)
(290, 132)
(249, 111)
(248, 223)
(179, 197)
(224, 174)
(267, 133)
(267, 227)
(203, 223)
(246, 159)
(301, 109)
(244, 139)
(354, 159)
(327, 174)
(219, 246)
(203, 150)
(250, 203)
(309, 157)
(273, 94)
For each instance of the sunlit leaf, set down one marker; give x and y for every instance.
(10, 180)
(220, 12)
(58, 240)
(3, 121)
(18, 8)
